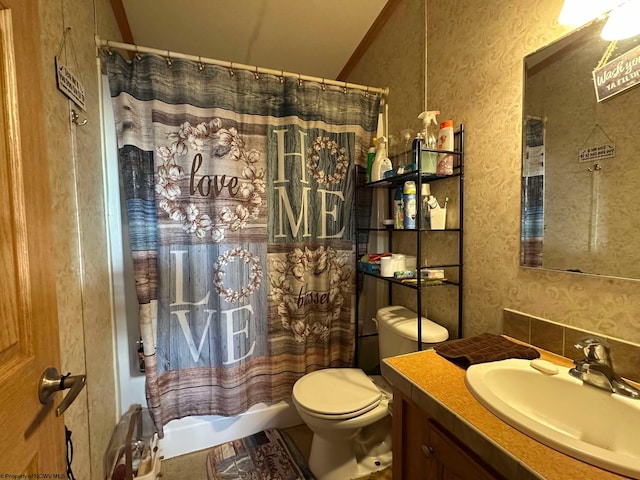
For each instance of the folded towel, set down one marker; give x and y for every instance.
(483, 348)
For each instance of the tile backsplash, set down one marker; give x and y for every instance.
(560, 339)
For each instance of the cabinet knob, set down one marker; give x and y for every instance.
(427, 451)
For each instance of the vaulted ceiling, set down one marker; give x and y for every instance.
(322, 38)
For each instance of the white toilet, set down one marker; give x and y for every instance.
(348, 412)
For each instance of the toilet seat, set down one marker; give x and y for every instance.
(336, 393)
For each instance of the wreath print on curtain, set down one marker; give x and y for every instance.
(170, 175)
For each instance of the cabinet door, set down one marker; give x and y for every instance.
(449, 460)
(410, 433)
(423, 450)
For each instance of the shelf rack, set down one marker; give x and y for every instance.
(420, 178)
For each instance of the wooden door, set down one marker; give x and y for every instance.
(31, 436)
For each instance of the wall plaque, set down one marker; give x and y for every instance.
(617, 75)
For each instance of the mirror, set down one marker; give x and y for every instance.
(581, 156)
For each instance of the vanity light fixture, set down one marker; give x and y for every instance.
(623, 21)
(578, 12)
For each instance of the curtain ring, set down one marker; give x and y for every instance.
(323, 86)
(344, 89)
(109, 50)
(137, 55)
(366, 93)
(282, 77)
(231, 72)
(169, 61)
(299, 80)
(256, 74)
(200, 64)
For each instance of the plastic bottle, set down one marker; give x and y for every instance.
(410, 207)
(430, 131)
(425, 193)
(381, 162)
(416, 149)
(371, 155)
(445, 142)
(398, 206)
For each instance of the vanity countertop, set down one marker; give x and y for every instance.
(437, 386)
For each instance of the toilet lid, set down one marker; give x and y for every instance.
(337, 391)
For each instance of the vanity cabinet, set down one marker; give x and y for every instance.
(424, 450)
(440, 248)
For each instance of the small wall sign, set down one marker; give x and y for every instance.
(70, 85)
(606, 150)
(617, 75)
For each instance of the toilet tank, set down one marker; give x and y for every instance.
(398, 331)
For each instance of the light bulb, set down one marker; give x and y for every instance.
(579, 12)
(623, 21)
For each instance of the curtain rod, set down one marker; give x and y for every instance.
(169, 54)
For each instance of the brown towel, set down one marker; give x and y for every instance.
(483, 348)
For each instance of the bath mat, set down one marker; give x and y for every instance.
(266, 455)
(483, 348)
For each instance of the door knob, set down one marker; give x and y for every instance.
(52, 382)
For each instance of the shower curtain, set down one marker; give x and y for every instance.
(532, 223)
(239, 191)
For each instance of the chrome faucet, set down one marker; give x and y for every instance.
(597, 369)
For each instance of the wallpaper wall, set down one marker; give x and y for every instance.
(474, 71)
(474, 76)
(78, 218)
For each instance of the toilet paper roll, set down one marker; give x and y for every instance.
(387, 265)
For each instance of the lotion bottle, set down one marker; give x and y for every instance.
(445, 142)
(381, 163)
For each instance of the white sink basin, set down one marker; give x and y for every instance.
(582, 421)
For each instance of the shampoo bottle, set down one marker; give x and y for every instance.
(381, 163)
(445, 142)
(429, 160)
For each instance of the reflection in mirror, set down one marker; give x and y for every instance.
(581, 156)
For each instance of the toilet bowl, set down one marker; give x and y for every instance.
(337, 404)
(348, 412)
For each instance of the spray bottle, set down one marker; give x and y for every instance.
(429, 160)
(381, 163)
